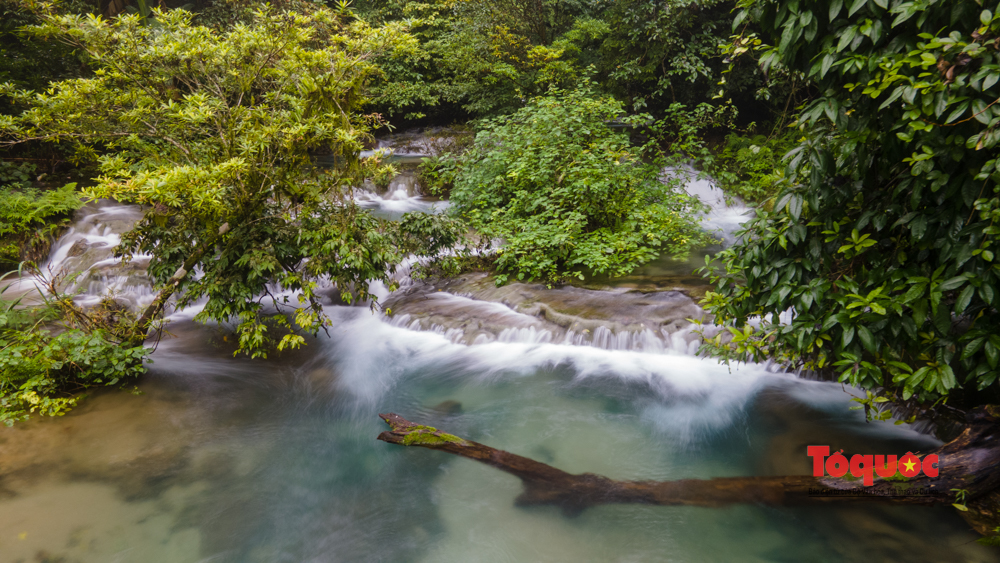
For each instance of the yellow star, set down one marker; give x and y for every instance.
(909, 465)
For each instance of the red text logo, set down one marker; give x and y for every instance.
(867, 466)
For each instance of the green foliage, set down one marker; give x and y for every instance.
(212, 130)
(49, 354)
(959, 503)
(440, 240)
(29, 209)
(490, 57)
(993, 540)
(750, 167)
(883, 238)
(29, 216)
(566, 193)
(429, 234)
(436, 174)
(493, 55)
(381, 174)
(659, 53)
(27, 61)
(683, 129)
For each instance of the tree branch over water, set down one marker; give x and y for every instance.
(970, 462)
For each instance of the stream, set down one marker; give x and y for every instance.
(223, 459)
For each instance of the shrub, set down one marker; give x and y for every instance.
(436, 174)
(49, 354)
(567, 193)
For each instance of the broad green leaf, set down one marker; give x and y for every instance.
(964, 299)
(835, 7)
(867, 339)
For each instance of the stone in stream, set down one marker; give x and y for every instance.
(448, 407)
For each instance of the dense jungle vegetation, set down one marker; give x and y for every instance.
(864, 132)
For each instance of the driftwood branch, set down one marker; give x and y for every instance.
(970, 462)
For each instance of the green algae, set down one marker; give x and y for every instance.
(429, 436)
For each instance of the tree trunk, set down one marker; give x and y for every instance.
(970, 462)
(140, 329)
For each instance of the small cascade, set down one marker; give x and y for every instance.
(402, 195)
(498, 323)
(82, 261)
(726, 213)
(420, 143)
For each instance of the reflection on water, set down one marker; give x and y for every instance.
(232, 460)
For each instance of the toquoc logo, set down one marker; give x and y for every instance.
(867, 466)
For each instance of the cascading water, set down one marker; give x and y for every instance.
(225, 459)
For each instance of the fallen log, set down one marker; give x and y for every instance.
(970, 462)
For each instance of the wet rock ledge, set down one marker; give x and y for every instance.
(472, 310)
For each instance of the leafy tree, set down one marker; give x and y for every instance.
(26, 61)
(657, 53)
(212, 130)
(478, 58)
(567, 193)
(750, 166)
(882, 243)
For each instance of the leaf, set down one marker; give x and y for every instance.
(825, 65)
(846, 37)
(918, 226)
(795, 207)
(957, 112)
(848, 336)
(948, 377)
(915, 292)
(992, 354)
(979, 111)
(953, 283)
(866, 338)
(964, 299)
(986, 292)
(896, 93)
(972, 347)
(917, 377)
(855, 6)
(835, 7)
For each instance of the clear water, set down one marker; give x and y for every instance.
(232, 460)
